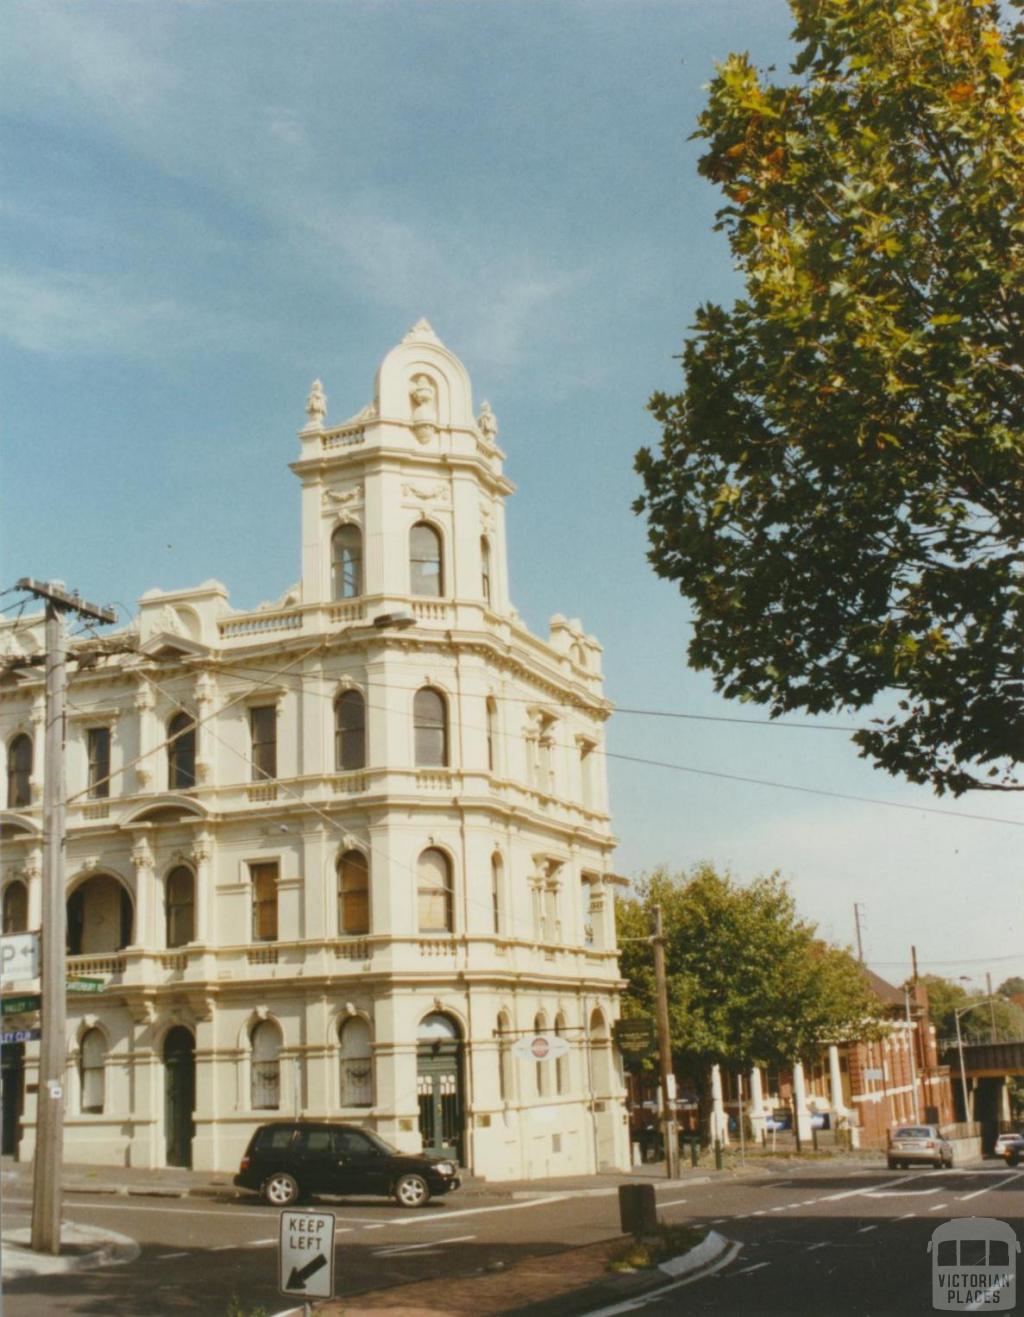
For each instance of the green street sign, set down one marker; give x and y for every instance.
(635, 1038)
(21, 1005)
(86, 985)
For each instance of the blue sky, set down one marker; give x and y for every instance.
(208, 204)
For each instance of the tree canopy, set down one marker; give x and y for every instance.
(945, 997)
(838, 489)
(749, 982)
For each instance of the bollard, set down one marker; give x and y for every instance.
(694, 1151)
(637, 1157)
(638, 1211)
(718, 1154)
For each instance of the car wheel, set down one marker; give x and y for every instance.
(892, 1165)
(280, 1189)
(412, 1191)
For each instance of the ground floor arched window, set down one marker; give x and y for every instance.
(92, 1064)
(356, 1063)
(265, 1077)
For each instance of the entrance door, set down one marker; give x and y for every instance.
(12, 1076)
(179, 1095)
(439, 1087)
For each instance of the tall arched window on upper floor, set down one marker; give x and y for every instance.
(497, 893)
(347, 562)
(180, 906)
(353, 894)
(181, 752)
(426, 570)
(430, 725)
(434, 892)
(92, 1062)
(19, 772)
(492, 734)
(505, 1067)
(15, 916)
(485, 569)
(265, 1067)
(349, 732)
(356, 1063)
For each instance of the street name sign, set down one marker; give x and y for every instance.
(19, 957)
(540, 1047)
(306, 1254)
(85, 985)
(21, 1005)
(10, 1036)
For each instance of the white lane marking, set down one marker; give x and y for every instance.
(909, 1216)
(859, 1193)
(221, 1248)
(642, 1300)
(811, 1247)
(745, 1271)
(672, 1202)
(162, 1257)
(260, 1243)
(762, 1211)
(718, 1220)
(905, 1193)
(424, 1217)
(864, 1229)
(412, 1248)
(134, 1207)
(989, 1187)
(938, 1207)
(782, 1207)
(379, 1225)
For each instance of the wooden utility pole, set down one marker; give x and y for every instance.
(46, 1190)
(665, 1052)
(856, 919)
(993, 1031)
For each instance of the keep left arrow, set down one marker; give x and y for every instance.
(297, 1280)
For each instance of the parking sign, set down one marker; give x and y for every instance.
(306, 1254)
(19, 956)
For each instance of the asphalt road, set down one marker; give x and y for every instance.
(824, 1240)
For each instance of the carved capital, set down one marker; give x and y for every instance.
(144, 697)
(142, 854)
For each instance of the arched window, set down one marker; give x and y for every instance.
(19, 772)
(430, 724)
(353, 894)
(180, 906)
(350, 732)
(356, 1063)
(426, 574)
(485, 569)
(492, 734)
(561, 1062)
(540, 1025)
(497, 894)
(15, 918)
(347, 562)
(181, 752)
(505, 1069)
(92, 1058)
(99, 916)
(265, 1076)
(434, 892)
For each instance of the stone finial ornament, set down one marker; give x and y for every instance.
(487, 422)
(422, 329)
(423, 405)
(316, 404)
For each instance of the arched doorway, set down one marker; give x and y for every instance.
(12, 1077)
(179, 1095)
(439, 1086)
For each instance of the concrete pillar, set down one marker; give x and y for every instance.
(145, 881)
(1004, 1100)
(33, 873)
(801, 1114)
(756, 1103)
(202, 858)
(835, 1084)
(719, 1123)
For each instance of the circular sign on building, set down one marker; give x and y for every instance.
(541, 1047)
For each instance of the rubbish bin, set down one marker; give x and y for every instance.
(638, 1210)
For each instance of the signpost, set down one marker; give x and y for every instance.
(19, 955)
(635, 1038)
(306, 1254)
(540, 1047)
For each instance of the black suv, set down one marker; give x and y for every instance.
(288, 1159)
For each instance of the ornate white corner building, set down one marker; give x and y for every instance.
(335, 856)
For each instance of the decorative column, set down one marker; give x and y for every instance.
(203, 693)
(756, 1104)
(38, 719)
(145, 769)
(719, 1123)
(801, 1114)
(145, 878)
(202, 857)
(33, 873)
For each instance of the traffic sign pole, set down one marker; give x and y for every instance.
(665, 1051)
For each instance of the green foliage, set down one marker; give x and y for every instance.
(838, 489)
(236, 1308)
(945, 997)
(748, 980)
(670, 1241)
(1011, 987)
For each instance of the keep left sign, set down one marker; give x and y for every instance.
(306, 1254)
